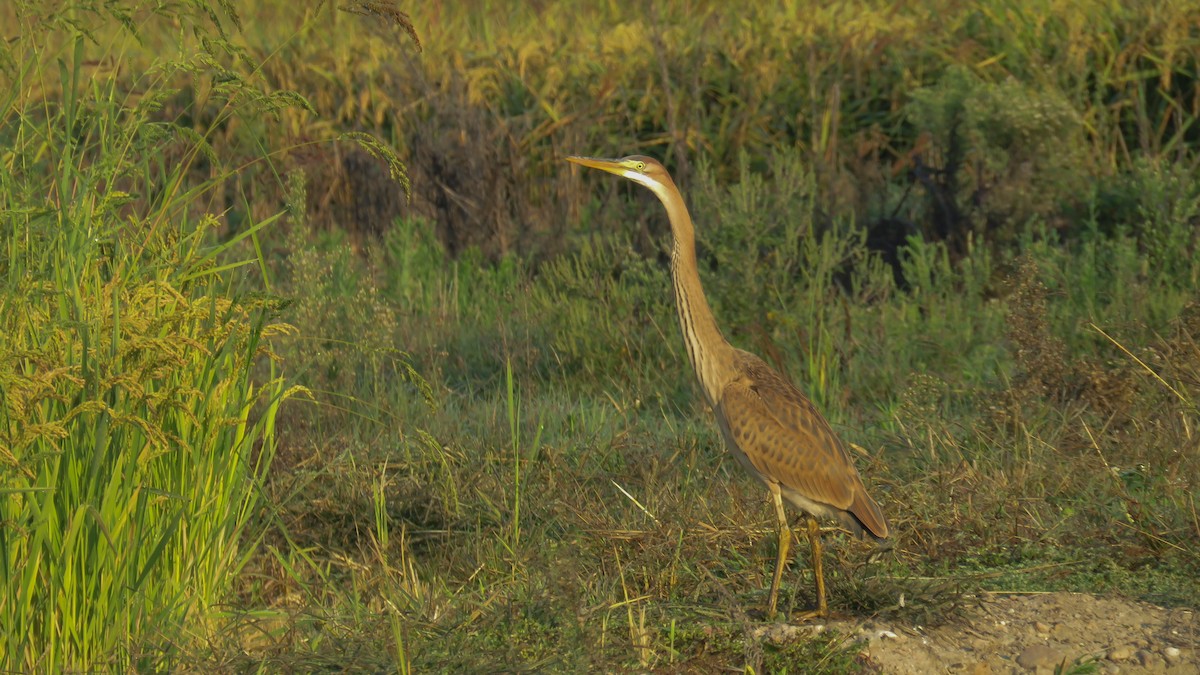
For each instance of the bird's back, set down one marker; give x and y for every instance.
(780, 436)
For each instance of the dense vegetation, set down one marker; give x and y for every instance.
(314, 353)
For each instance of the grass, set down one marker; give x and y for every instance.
(969, 235)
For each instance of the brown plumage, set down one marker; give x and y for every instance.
(777, 433)
(768, 424)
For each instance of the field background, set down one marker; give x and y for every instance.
(316, 355)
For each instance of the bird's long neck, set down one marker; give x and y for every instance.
(706, 347)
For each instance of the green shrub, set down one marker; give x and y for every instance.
(1004, 154)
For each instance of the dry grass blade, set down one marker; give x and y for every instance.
(1141, 363)
(633, 499)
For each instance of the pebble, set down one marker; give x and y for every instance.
(1148, 659)
(1038, 656)
(1171, 654)
(1041, 628)
(1120, 653)
(783, 633)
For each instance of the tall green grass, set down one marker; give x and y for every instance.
(135, 426)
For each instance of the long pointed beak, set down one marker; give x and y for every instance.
(609, 165)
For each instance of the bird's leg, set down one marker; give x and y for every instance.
(785, 541)
(814, 539)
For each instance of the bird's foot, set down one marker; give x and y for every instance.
(810, 615)
(780, 616)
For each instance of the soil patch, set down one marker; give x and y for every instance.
(1032, 633)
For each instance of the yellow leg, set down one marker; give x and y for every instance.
(785, 541)
(814, 539)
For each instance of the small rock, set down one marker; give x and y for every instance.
(1148, 659)
(1120, 653)
(1038, 656)
(776, 633)
(886, 635)
(1041, 627)
(1172, 654)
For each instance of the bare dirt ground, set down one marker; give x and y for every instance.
(1034, 633)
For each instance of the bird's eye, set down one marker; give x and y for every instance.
(641, 166)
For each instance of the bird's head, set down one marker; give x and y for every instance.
(637, 168)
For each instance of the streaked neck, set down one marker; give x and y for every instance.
(701, 336)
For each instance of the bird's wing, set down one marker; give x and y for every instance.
(787, 440)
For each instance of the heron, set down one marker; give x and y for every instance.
(770, 426)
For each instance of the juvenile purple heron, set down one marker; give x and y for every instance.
(773, 430)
